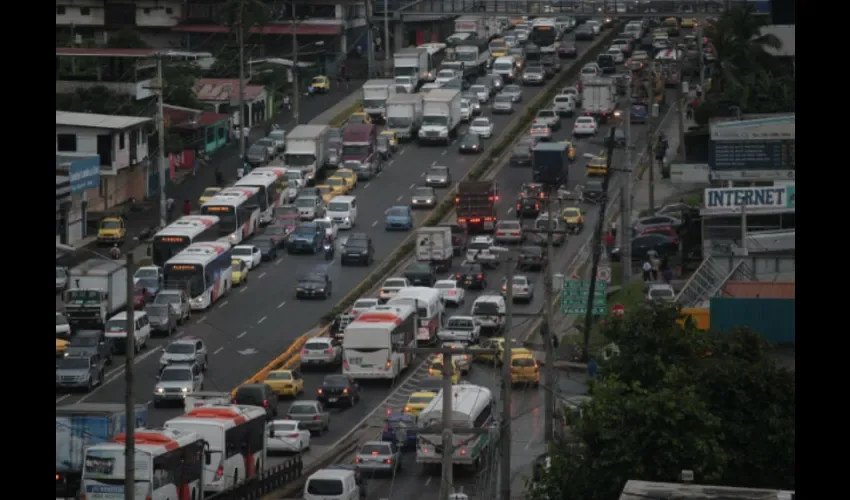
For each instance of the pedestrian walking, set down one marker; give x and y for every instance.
(614, 230)
(187, 207)
(240, 171)
(699, 91)
(609, 242)
(655, 264)
(219, 177)
(689, 111)
(667, 274)
(647, 271)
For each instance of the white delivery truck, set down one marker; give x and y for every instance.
(376, 93)
(599, 97)
(440, 116)
(97, 289)
(411, 62)
(434, 244)
(470, 60)
(404, 114)
(307, 149)
(483, 27)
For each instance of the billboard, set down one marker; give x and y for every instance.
(752, 199)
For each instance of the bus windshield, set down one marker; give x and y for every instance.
(166, 247)
(190, 276)
(544, 35)
(109, 464)
(226, 214)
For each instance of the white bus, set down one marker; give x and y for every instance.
(472, 408)
(429, 310)
(168, 465)
(204, 270)
(236, 441)
(544, 34)
(239, 211)
(271, 181)
(370, 343)
(436, 53)
(175, 237)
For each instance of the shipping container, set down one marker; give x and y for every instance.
(701, 317)
(773, 319)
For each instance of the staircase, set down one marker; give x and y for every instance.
(709, 279)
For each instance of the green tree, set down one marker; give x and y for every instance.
(127, 39)
(179, 84)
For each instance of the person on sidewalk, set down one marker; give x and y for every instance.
(655, 262)
(647, 271)
(609, 242)
(614, 230)
(240, 171)
(219, 177)
(187, 207)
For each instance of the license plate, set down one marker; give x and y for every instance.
(333, 400)
(468, 282)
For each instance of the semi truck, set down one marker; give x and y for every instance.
(599, 97)
(404, 114)
(471, 60)
(97, 289)
(434, 245)
(550, 163)
(79, 426)
(306, 149)
(440, 116)
(376, 93)
(412, 62)
(475, 206)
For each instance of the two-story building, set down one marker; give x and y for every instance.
(221, 95)
(121, 143)
(76, 173)
(78, 21)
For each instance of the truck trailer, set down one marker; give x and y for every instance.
(97, 289)
(476, 206)
(441, 116)
(404, 114)
(306, 149)
(376, 93)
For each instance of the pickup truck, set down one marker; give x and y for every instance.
(460, 329)
(483, 250)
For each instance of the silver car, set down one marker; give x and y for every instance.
(522, 287)
(185, 350)
(179, 302)
(541, 130)
(279, 138)
(378, 456)
(509, 231)
(503, 104)
(534, 75)
(570, 90)
(83, 371)
(424, 197)
(177, 381)
(311, 414)
(258, 154)
(497, 81)
(438, 176)
(269, 144)
(474, 103)
(321, 352)
(549, 117)
(515, 91)
(482, 92)
(463, 361)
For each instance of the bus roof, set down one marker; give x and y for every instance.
(468, 401)
(157, 441)
(396, 314)
(232, 196)
(255, 178)
(222, 415)
(200, 253)
(417, 292)
(189, 225)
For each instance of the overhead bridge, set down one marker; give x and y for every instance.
(615, 8)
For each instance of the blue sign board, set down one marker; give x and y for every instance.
(85, 173)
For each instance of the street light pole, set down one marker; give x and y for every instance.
(296, 96)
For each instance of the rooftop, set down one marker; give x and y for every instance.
(787, 34)
(93, 120)
(225, 89)
(104, 52)
(642, 490)
(760, 289)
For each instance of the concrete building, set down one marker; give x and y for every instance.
(76, 173)
(120, 143)
(221, 95)
(80, 21)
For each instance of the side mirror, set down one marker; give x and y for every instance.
(207, 457)
(271, 432)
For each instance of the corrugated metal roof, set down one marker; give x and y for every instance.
(638, 490)
(93, 120)
(225, 89)
(760, 289)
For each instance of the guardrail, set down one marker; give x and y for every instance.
(280, 362)
(264, 483)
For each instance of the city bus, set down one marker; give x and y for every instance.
(370, 343)
(271, 181)
(239, 211)
(168, 465)
(429, 310)
(436, 53)
(204, 270)
(203, 60)
(544, 34)
(472, 408)
(236, 441)
(175, 237)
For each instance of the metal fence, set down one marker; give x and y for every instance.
(263, 484)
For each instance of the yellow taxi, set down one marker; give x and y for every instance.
(436, 369)
(239, 271)
(598, 165)
(689, 22)
(338, 184)
(359, 118)
(349, 176)
(417, 402)
(392, 137)
(286, 382)
(321, 84)
(111, 230)
(572, 216)
(524, 369)
(61, 347)
(327, 192)
(207, 194)
(491, 343)
(515, 349)
(571, 152)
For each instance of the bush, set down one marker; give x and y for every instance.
(339, 119)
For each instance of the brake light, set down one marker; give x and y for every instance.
(463, 451)
(265, 403)
(500, 233)
(386, 427)
(292, 435)
(345, 364)
(424, 450)
(389, 364)
(303, 351)
(329, 351)
(457, 276)
(234, 402)
(675, 241)
(383, 291)
(388, 461)
(587, 114)
(452, 292)
(345, 391)
(457, 200)
(357, 460)
(288, 417)
(481, 276)
(518, 206)
(537, 206)
(219, 472)
(319, 390)
(317, 417)
(407, 409)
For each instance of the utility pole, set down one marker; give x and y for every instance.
(680, 105)
(507, 388)
(243, 118)
(386, 36)
(130, 397)
(546, 329)
(700, 49)
(160, 157)
(370, 49)
(597, 247)
(296, 95)
(650, 150)
(626, 198)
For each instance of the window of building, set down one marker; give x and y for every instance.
(85, 11)
(66, 142)
(121, 140)
(147, 12)
(169, 10)
(60, 10)
(222, 133)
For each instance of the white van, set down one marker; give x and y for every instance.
(116, 329)
(489, 312)
(332, 484)
(565, 104)
(505, 67)
(342, 210)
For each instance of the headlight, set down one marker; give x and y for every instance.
(444, 133)
(160, 390)
(184, 389)
(347, 220)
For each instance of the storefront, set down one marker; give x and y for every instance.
(75, 174)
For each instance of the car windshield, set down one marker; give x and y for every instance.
(470, 139)
(397, 212)
(503, 98)
(279, 376)
(175, 375)
(305, 202)
(241, 251)
(302, 409)
(418, 400)
(60, 273)
(478, 89)
(423, 192)
(237, 266)
(480, 122)
(585, 121)
(167, 298)
(375, 449)
(180, 348)
(571, 212)
(147, 273)
(485, 308)
(397, 283)
(325, 487)
(73, 364)
(509, 225)
(445, 285)
(110, 225)
(285, 426)
(116, 325)
(263, 244)
(523, 362)
(437, 171)
(335, 181)
(383, 141)
(60, 320)
(335, 381)
(460, 324)
(546, 114)
(661, 293)
(365, 303)
(512, 89)
(157, 310)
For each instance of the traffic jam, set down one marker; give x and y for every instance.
(231, 287)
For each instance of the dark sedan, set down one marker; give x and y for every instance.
(471, 276)
(268, 247)
(278, 233)
(339, 390)
(470, 143)
(531, 258)
(567, 50)
(421, 274)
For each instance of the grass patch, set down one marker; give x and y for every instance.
(339, 119)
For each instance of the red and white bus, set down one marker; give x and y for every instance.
(271, 181)
(175, 237)
(371, 342)
(239, 211)
(168, 465)
(236, 440)
(429, 310)
(205, 270)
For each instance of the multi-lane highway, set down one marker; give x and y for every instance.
(257, 322)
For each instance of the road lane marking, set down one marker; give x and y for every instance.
(511, 209)
(390, 163)
(403, 151)
(204, 318)
(243, 290)
(61, 398)
(119, 374)
(367, 185)
(412, 186)
(422, 174)
(260, 276)
(428, 481)
(281, 304)
(433, 163)
(444, 152)
(278, 261)
(218, 350)
(262, 319)
(374, 223)
(399, 198)
(242, 334)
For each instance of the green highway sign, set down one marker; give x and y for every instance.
(574, 294)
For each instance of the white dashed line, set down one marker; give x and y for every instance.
(242, 334)
(223, 303)
(262, 319)
(218, 350)
(278, 261)
(374, 223)
(433, 163)
(403, 151)
(444, 152)
(390, 163)
(281, 304)
(399, 198)
(422, 174)
(367, 185)
(202, 319)
(412, 186)
(511, 209)
(243, 290)
(260, 276)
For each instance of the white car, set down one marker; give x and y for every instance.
(404, 82)
(482, 126)
(63, 328)
(460, 329)
(331, 229)
(362, 305)
(390, 288)
(481, 249)
(585, 125)
(465, 110)
(445, 76)
(596, 26)
(616, 54)
(591, 70)
(481, 92)
(463, 361)
(663, 293)
(250, 254)
(287, 436)
(154, 272)
(450, 292)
